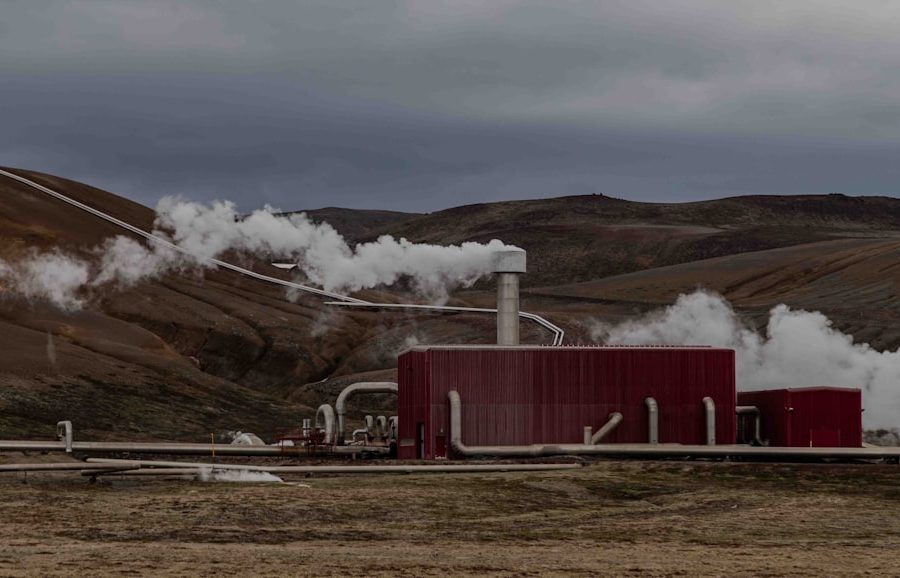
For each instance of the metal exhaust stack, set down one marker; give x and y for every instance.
(508, 265)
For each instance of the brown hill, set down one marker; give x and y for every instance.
(186, 355)
(357, 224)
(580, 238)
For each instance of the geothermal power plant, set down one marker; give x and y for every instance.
(512, 401)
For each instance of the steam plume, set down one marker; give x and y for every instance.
(800, 348)
(207, 231)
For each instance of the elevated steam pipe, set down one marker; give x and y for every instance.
(710, 407)
(615, 418)
(340, 405)
(652, 420)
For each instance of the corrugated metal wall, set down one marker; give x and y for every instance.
(809, 417)
(528, 395)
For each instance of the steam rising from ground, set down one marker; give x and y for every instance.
(800, 348)
(207, 231)
(237, 476)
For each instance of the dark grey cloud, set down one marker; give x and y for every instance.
(423, 104)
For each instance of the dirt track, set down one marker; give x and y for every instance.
(611, 518)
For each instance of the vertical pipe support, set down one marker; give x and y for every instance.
(588, 431)
(710, 407)
(653, 420)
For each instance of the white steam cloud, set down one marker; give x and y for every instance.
(51, 276)
(207, 475)
(207, 231)
(799, 349)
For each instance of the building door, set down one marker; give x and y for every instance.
(824, 438)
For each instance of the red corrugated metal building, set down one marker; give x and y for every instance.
(807, 417)
(533, 395)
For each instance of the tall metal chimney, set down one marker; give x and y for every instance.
(508, 265)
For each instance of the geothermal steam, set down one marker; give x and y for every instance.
(207, 231)
(800, 348)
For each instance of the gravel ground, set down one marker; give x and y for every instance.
(609, 518)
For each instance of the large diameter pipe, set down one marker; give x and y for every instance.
(326, 413)
(757, 422)
(615, 418)
(179, 448)
(52, 467)
(340, 406)
(710, 407)
(350, 469)
(64, 433)
(507, 309)
(508, 265)
(652, 420)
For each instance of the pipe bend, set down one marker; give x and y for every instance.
(64, 433)
(340, 405)
(710, 407)
(615, 418)
(653, 420)
(326, 412)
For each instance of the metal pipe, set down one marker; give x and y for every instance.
(392, 427)
(326, 412)
(179, 448)
(370, 426)
(710, 407)
(615, 418)
(507, 309)
(652, 420)
(169, 245)
(381, 427)
(757, 422)
(558, 333)
(52, 467)
(64, 433)
(340, 405)
(652, 450)
(587, 434)
(508, 265)
(356, 469)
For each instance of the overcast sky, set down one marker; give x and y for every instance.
(421, 105)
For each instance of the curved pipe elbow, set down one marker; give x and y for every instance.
(615, 418)
(64, 433)
(653, 420)
(710, 407)
(340, 405)
(326, 413)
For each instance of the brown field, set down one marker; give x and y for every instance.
(610, 518)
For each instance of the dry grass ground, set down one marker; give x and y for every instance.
(611, 518)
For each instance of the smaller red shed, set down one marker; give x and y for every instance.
(806, 417)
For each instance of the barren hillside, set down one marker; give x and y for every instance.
(187, 355)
